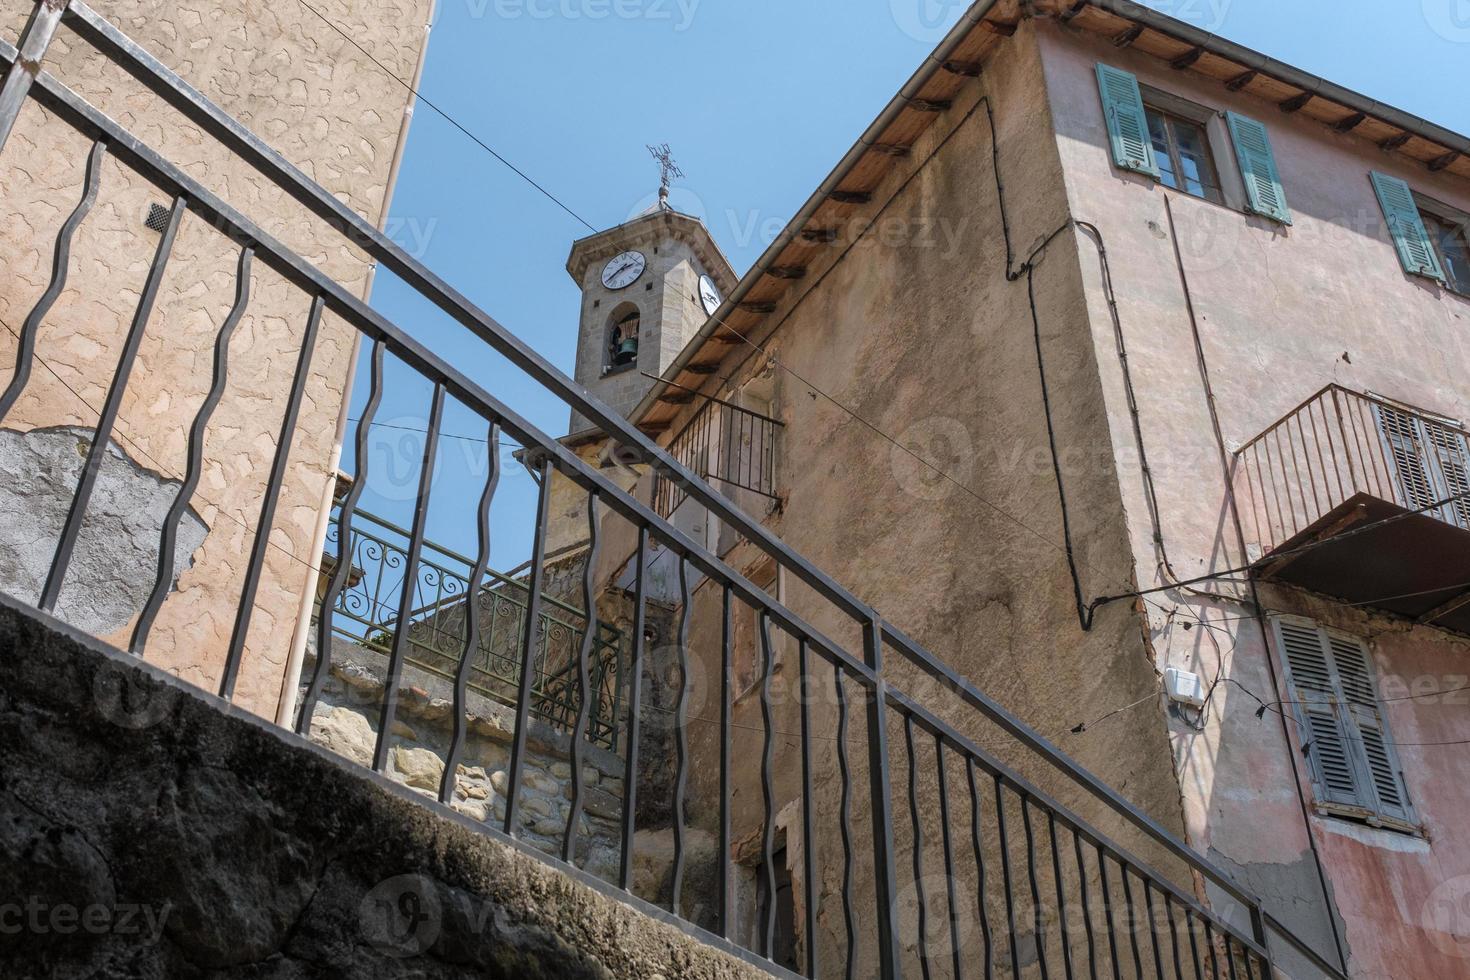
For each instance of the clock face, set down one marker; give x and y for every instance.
(709, 295)
(623, 270)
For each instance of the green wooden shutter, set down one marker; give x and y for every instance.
(1450, 451)
(1379, 773)
(1323, 724)
(1410, 238)
(1127, 125)
(1263, 190)
(1407, 457)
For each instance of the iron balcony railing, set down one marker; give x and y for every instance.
(1052, 891)
(365, 615)
(1341, 443)
(733, 446)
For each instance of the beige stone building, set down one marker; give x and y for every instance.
(330, 111)
(1190, 311)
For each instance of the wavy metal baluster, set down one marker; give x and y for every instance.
(472, 619)
(346, 554)
(635, 696)
(589, 636)
(845, 805)
(1193, 942)
(727, 693)
(768, 793)
(1102, 874)
(1005, 868)
(169, 534)
(1038, 920)
(528, 625)
(681, 741)
(949, 875)
(60, 262)
(1153, 927)
(809, 841)
(1056, 870)
(1173, 934)
(107, 419)
(1086, 905)
(975, 842)
(272, 497)
(402, 623)
(1132, 919)
(908, 735)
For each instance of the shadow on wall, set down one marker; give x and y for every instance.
(116, 557)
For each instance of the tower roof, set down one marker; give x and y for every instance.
(654, 225)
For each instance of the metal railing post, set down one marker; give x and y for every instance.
(885, 870)
(34, 40)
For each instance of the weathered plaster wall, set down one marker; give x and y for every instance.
(148, 830)
(918, 331)
(1282, 311)
(328, 109)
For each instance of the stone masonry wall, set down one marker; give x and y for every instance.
(148, 830)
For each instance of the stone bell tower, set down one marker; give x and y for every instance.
(647, 286)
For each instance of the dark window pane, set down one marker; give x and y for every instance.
(1158, 132)
(1183, 153)
(1454, 253)
(1194, 160)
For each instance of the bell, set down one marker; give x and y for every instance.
(627, 351)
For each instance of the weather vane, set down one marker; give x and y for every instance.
(668, 170)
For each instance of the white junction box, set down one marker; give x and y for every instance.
(1184, 687)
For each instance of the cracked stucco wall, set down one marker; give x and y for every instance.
(39, 471)
(326, 108)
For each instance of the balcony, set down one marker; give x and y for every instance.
(1365, 500)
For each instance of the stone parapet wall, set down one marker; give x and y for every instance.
(149, 830)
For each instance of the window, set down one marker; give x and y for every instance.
(1156, 133)
(1334, 697)
(1448, 238)
(1182, 152)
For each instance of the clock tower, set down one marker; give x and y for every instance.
(648, 285)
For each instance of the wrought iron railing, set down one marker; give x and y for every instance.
(733, 446)
(366, 614)
(1055, 891)
(1341, 443)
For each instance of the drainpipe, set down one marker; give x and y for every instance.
(291, 682)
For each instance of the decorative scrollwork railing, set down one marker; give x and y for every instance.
(366, 614)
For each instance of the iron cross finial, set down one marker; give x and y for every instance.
(668, 170)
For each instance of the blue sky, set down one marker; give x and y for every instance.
(759, 99)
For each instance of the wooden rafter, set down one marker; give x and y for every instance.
(1241, 81)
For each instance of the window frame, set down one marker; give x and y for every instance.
(1170, 119)
(1437, 212)
(1361, 811)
